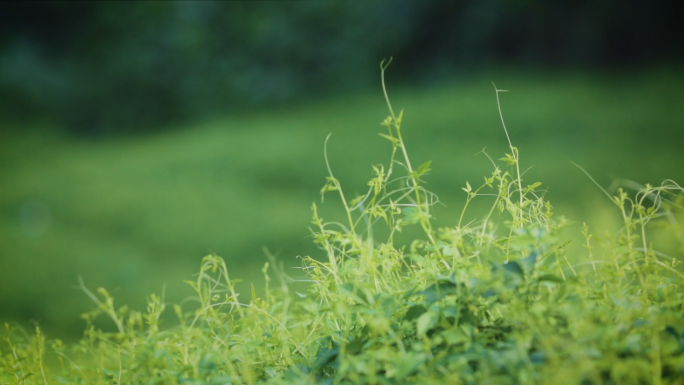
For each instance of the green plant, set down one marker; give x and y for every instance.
(489, 301)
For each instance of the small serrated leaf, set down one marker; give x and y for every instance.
(510, 159)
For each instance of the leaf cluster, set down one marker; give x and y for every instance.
(489, 301)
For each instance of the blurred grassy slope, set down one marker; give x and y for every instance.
(135, 214)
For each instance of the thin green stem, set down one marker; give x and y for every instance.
(513, 150)
(425, 222)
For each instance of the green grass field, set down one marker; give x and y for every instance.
(133, 215)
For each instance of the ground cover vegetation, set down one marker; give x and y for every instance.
(135, 214)
(398, 299)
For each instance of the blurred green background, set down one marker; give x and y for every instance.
(137, 137)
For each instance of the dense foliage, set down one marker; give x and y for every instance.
(493, 301)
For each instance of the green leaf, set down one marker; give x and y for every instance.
(326, 357)
(353, 292)
(356, 200)
(411, 215)
(377, 211)
(454, 336)
(356, 345)
(221, 380)
(424, 168)
(408, 364)
(531, 187)
(529, 262)
(414, 312)
(508, 159)
(438, 291)
(551, 278)
(451, 311)
(330, 185)
(514, 274)
(426, 321)
(390, 138)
